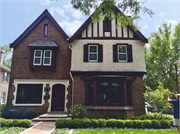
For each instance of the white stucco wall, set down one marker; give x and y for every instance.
(138, 63)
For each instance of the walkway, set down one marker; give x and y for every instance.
(41, 128)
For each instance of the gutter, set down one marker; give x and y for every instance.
(72, 81)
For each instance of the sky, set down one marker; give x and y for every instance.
(17, 15)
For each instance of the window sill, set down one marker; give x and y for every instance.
(27, 104)
(35, 66)
(110, 107)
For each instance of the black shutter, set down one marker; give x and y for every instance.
(115, 56)
(129, 51)
(85, 53)
(100, 53)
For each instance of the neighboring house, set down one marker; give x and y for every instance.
(100, 67)
(4, 79)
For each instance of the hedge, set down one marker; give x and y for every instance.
(16, 123)
(85, 123)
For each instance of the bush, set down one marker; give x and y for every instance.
(147, 123)
(77, 111)
(19, 115)
(138, 124)
(156, 124)
(25, 123)
(165, 123)
(134, 118)
(94, 123)
(119, 123)
(120, 117)
(129, 123)
(31, 115)
(2, 107)
(93, 117)
(101, 123)
(60, 123)
(16, 123)
(111, 123)
(86, 122)
(5, 123)
(107, 118)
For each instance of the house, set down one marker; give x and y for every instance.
(4, 79)
(100, 67)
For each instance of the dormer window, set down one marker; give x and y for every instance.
(45, 29)
(47, 57)
(37, 57)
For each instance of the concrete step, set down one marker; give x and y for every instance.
(46, 119)
(53, 116)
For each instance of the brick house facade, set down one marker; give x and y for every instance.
(100, 67)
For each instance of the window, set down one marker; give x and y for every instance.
(29, 93)
(47, 57)
(37, 57)
(107, 25)
(93, 53)
(90, 93)
(3, 98)
(122, 53)
(104, 93)
(6, 76)
(45, 29)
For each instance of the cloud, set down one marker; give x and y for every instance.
(45, 2)
(172, 22)
(162, 14)
(145, 27)
(70, 27)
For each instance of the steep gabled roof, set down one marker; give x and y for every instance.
(44, 14)
(137, 33)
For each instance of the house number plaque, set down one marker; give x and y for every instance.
(46, 97)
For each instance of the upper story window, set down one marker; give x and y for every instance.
(93, 53)
(45, 30)
(3, 98)
(39, 56)
(6, 76)
(107, 25)
(122, 53)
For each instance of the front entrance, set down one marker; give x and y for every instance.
(58, 97)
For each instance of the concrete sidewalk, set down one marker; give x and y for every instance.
(40, 128)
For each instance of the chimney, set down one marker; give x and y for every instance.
(1, 56)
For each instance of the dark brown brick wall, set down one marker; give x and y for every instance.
(21, 58)
(137, 96)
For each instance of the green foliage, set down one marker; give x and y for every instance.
(61, 131)
(165, 123)
(94, 123)
(107, 117)
(5, 123)
(101, 123)
(156, 124)
(120, 117)
(77, 111)
(25, 123)
(14, 130)
(60, 123)
(158, 97)
(86, 122)
(19, 115)
(126, 6)
(7, 56)
(93, 117)
(129, 123)
(120, 124)
(138, 124)
(147, 123)
(160, 58)
(151, 116)
(31, 115)
(111, 123)
(2, 107)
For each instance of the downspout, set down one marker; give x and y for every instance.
(72, 81)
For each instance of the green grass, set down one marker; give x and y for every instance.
(14, 130)
(2, 129)
(61, 131)
(125, 131)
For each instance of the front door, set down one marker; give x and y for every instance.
(58, 97)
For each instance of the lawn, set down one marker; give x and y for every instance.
(14, 130)
(116, 131)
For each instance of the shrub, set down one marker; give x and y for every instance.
(147, 123)
(93, 117)
(165, 124)
(16, 123)
(120, 117)
(129, 123)
(94, 123)
(31, 115)
(101, 123)
(19, 115)
(138, 124)
(156, 124)
(119, 123)
(134, 118)
(5, 123)
(2, 107)
(77, 111)
(25, 123)
(60, 123)
(111, 123)
(86, 122)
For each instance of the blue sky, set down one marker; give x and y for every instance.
(17, 15)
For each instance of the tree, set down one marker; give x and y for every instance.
(158, 97)
(7, 56)
(132, 7)
(160, 58)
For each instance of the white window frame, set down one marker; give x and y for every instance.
(47, 57)
(37, 57)
(5, 75)
(3, 95)
(122, 53)
(92, 53)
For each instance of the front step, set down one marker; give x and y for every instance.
(52, 116)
